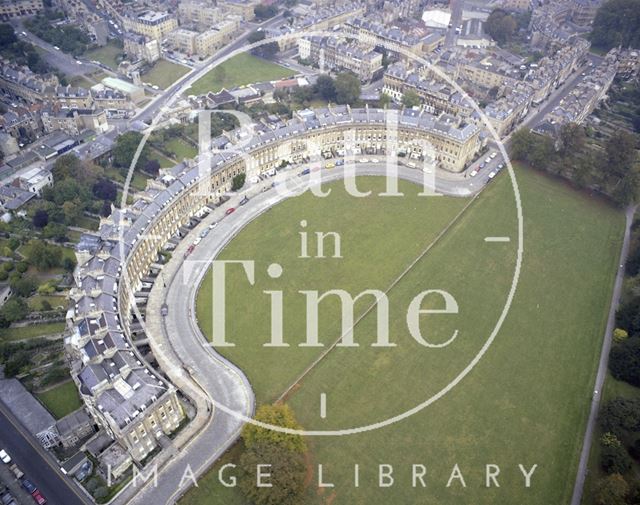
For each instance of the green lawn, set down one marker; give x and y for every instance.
(35, 301)
(61, 400)
(31, 331)
(164, 73)
(138, 181)
(107, 55)
(242, 69)
(525, 402)
(181, 149)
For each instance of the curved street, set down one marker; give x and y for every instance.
(185, 356)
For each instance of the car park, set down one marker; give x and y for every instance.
(6, 459)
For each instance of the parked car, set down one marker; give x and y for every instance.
(230, 210)
(493, 155)
(213, 225)
(5, 457)
(204, 232)
(189, 250)
(492, 174)
(364, 160)
(86, 468)
(197, 241)
(375, 160)
(38, 498)
(244, 201)
(473, 173)
(331, 164)
(16, 471)
(7, 499)
(28, 486)
(306, 171)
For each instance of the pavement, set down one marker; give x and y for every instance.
(37, 464)
(578, 489)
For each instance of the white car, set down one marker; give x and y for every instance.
(487, 160)
(6, 459)
(213, 225)
(56, 48)
(197, 240)
(493, 155)
(375, 160)
(364, 160)
(473, 173)
(492, 174)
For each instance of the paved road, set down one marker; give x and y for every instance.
(578, 489)
(456, 7)
(37, 465)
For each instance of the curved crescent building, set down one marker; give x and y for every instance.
(132, 400)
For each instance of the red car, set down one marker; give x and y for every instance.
(39, 499)
(189, 250)
(230, 211)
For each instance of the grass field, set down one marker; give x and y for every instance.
(181, 149)
(164, 73)
(61, 400)
(242, 69)
(525, 402)
(31, 331)
(107, 55)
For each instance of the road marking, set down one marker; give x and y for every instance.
(497, 239)
(323, 405)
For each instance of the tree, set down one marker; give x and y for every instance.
(614, 459)
(347, 88)
(67, 165)
(40, 218)
(500, 25)
(238, 181)
(620, 416)
(624, 361)
(125, 149)
(15, 309)
(263, 12)
(152, 167)
(256, 36)
(621, 150)
(411, 99)
(617, 23)
(69, 264)
(611, 490)
(43, 255)
(24, 287)
(325, 87)
(7, 35)
(287, 475)
(277, 415)
(104, 189)
(572, 139)
(619, 335)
